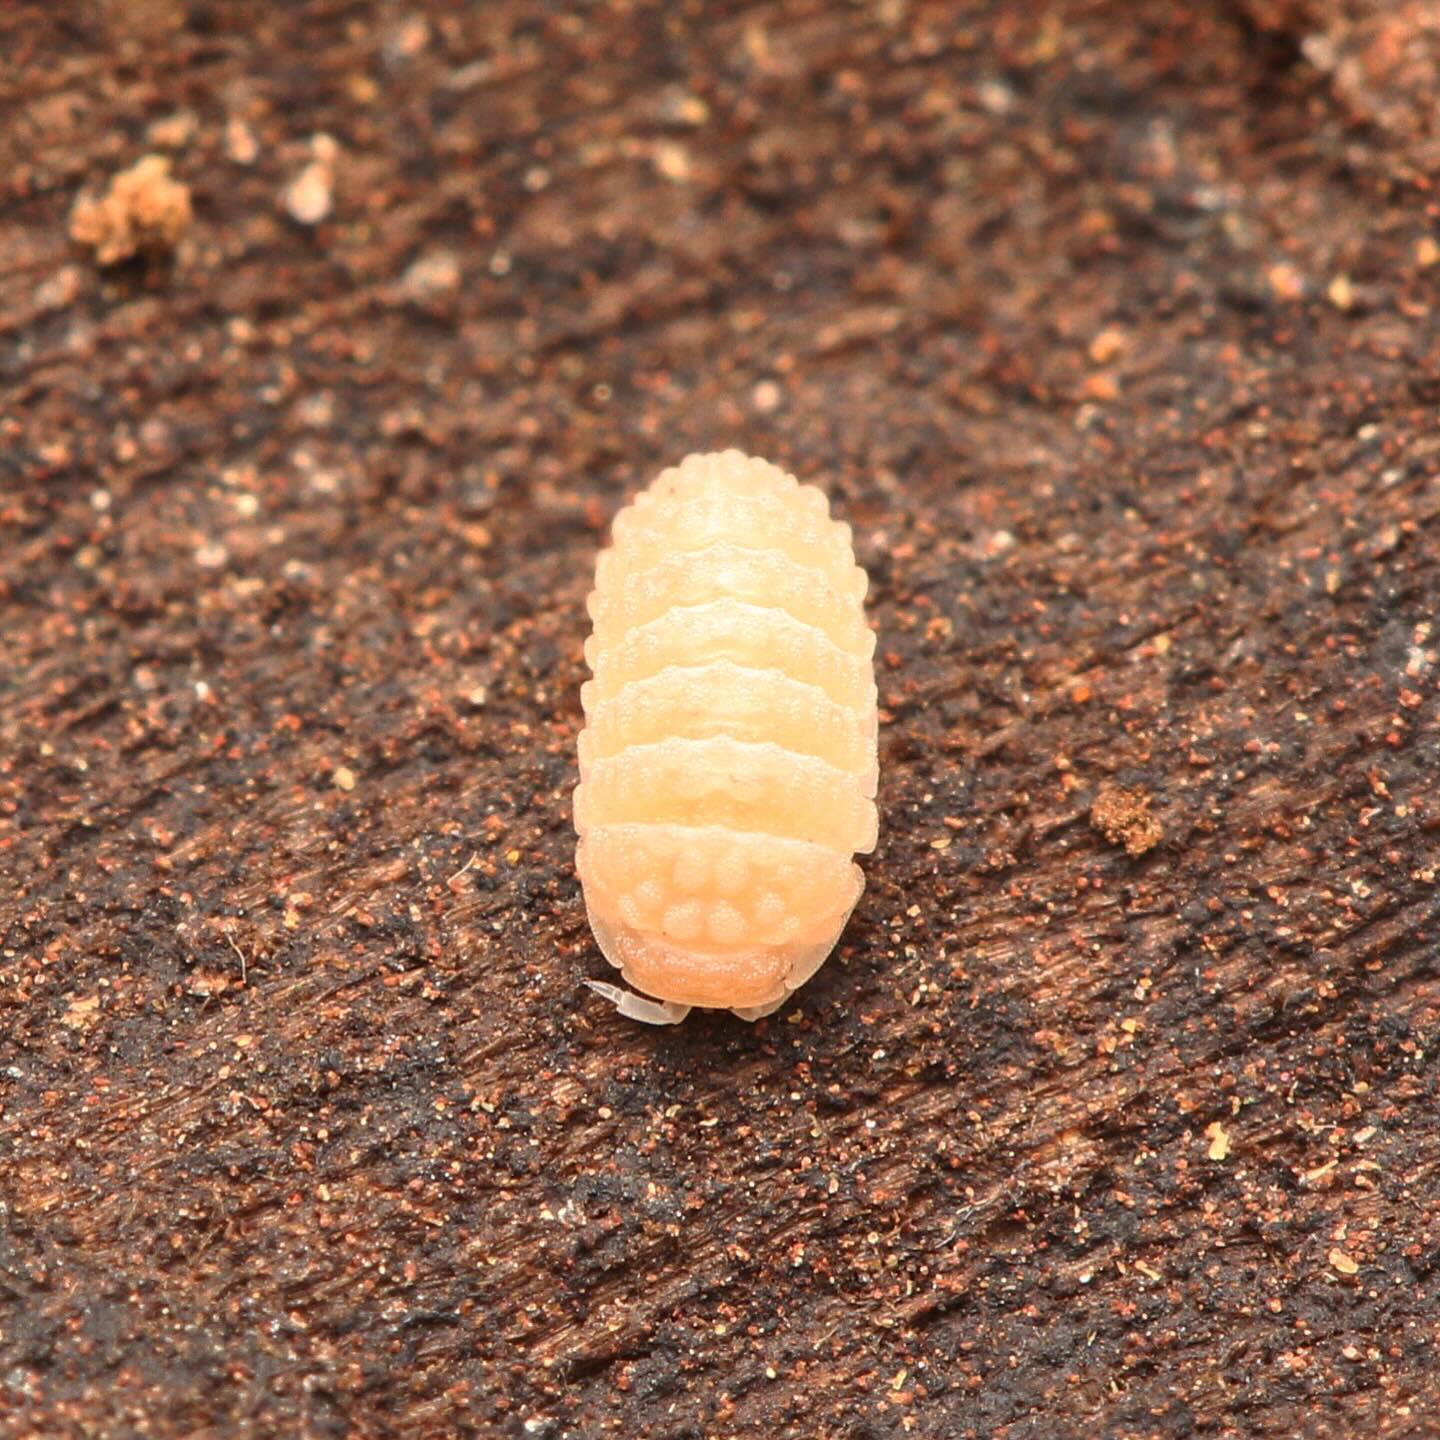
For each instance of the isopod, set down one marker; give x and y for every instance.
(728, 762)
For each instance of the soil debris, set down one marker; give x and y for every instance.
(310, 196)
(1123, 817)
(144, 212)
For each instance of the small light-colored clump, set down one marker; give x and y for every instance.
(1219, 1138)
(1123, 817)
(144, 212)
(431, 277)
(241, 146)
(1343, 1263)
(174, 132)
(310, 196)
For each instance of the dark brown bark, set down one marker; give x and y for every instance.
(1112, 329)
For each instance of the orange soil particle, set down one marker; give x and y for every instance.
(144, 211)
(1123, 817)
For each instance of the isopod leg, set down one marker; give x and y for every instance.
(637, 1007)
(759, 1012)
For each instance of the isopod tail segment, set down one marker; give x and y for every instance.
(728, 764)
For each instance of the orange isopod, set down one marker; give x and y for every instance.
(728, 762)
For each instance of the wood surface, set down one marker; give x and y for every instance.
(1112, 329)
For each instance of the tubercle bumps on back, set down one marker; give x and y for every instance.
(749, 634)
(728, 764)
(645, 539)
(722, 697)
(767, 577)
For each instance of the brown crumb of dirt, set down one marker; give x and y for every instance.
(1123, 817)
(144, 211)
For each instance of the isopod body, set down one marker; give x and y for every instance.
(728, 762)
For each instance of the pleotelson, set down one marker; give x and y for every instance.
(728, 762)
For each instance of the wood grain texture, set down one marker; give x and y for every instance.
(307, 1126)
